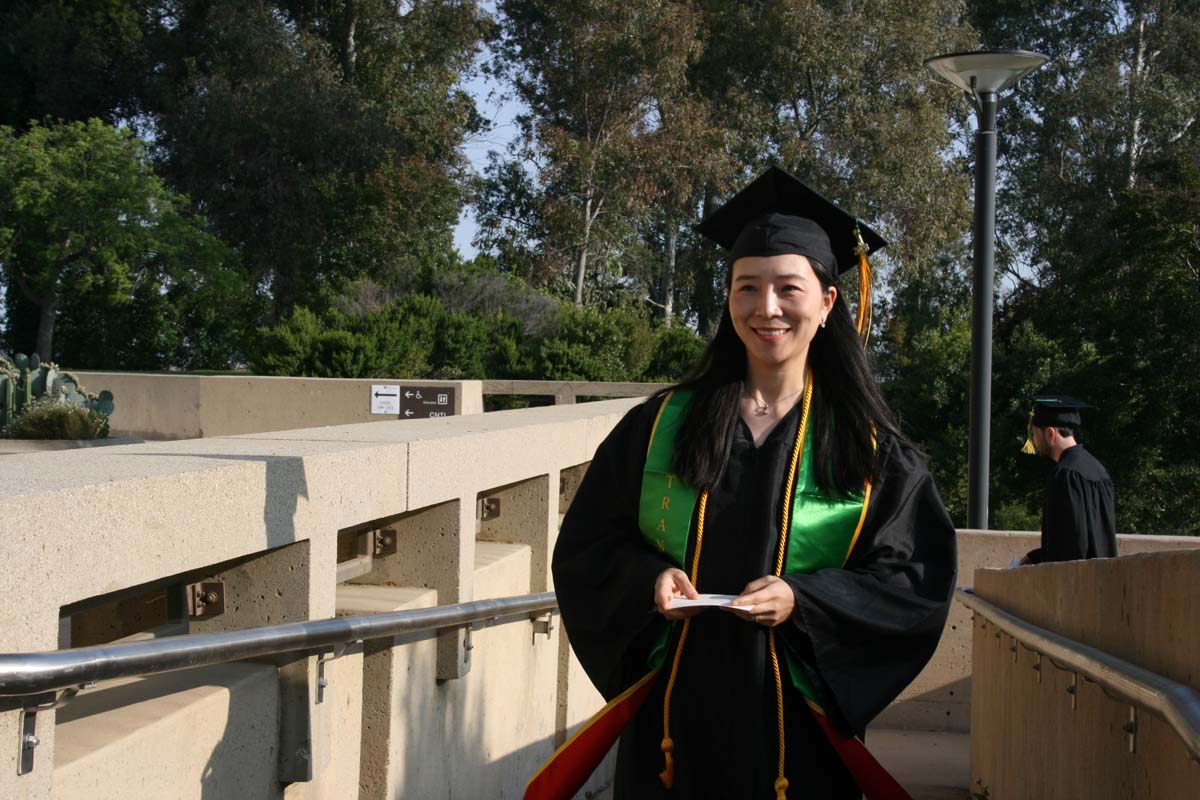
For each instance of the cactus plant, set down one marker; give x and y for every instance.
(26, 381)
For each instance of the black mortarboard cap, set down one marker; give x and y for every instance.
(1057, 410)
(777, 214)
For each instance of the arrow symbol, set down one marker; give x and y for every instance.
(385, 394)
(408, 413)
(408, 394)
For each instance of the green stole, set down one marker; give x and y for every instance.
(821, 534)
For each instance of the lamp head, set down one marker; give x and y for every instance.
(985, 70)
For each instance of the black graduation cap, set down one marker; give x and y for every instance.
(1057, 410)
(777, 214)
(1053, 410)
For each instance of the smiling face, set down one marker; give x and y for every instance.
(777, 304)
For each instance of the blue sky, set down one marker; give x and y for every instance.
(501, 112)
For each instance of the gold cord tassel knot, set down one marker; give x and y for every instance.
(667, 776)
(781, 786)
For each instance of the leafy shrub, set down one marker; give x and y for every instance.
(463, 349)
(51, 418)
(676, 351)
(591, 345)
(396, 341)
(415, 336)
(403, 336)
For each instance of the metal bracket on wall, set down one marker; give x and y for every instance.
(322, 681)
(1131, 728)
(27, 730)
(489, 508)
(542, 626)
(205, 599)
(28, 739)
(385, 542)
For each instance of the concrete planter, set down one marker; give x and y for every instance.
(12, 446)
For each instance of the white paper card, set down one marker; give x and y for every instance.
(714, 600)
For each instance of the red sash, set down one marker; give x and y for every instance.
(570, 766)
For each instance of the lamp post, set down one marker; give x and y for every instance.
(983, 75)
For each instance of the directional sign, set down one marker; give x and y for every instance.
(421, 402)
(385, 399)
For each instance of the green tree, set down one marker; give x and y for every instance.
(83, 214)
(1098, 234)
(837, 93)
(320, 138)
(923, 352)
(71, 60)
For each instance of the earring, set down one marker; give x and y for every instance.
(822, 323)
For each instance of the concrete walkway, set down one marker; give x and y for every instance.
(930, 765)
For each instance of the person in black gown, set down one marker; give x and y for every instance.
(849, 614)
(1079, 517)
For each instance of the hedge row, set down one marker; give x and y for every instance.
(416, 336)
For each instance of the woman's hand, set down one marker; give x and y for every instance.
(770, 599)
(670, 584)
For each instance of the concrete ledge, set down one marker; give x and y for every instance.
(199, 734)
(13, 446)
(166, 406)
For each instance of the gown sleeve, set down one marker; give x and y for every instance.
(865, 631)
(604, 571)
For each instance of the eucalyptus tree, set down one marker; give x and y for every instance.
(590, 75)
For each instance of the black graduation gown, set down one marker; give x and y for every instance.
(864, 632)
(1079, 516)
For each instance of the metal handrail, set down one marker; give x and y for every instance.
(40, 673)
(1176, 703)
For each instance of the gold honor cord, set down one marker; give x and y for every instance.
(667, 776)
(781, 782)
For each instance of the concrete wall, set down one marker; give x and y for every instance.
(1027, 739)
(940, 697)
(92, 528)
(165, 406)
(570, 391)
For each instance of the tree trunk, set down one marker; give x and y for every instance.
(48, 311)
(702, 290)
(669, 279)
(581, 269)
(1134, 144)
(349, 56)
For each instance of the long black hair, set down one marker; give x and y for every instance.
(844, 390)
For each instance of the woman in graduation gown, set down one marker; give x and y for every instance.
(776, 473)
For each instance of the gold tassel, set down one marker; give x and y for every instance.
(863, 322)
(781, 786)
(1028, 448)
